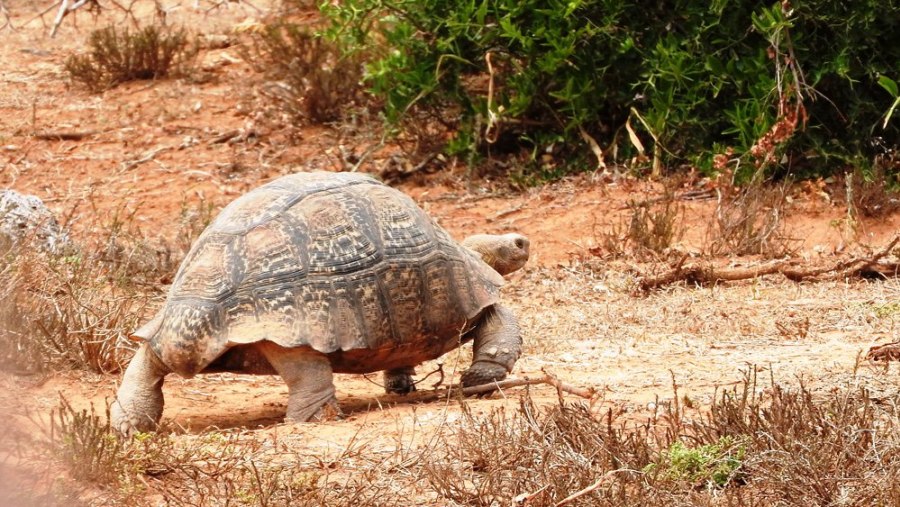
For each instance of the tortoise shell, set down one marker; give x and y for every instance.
(333, 261)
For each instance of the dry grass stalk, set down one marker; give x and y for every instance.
(752, 222)
(309, 79)
(653, 227)
(73, 309)
(789, 448)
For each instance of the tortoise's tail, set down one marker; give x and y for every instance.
(149, 330)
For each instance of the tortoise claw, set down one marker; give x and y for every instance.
(483, 372)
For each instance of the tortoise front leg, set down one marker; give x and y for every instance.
(399, 380)
(498, 344)
(310, 382)
(139, 402)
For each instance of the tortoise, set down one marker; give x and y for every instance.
(319, 273)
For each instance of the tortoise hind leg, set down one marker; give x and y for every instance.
(310, 382)
(139, 401)
(399, 380)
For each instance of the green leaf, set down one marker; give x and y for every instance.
(888, 84)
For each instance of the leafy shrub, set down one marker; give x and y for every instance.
(717, 85)
(116, 57)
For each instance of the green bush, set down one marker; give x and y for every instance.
(116, 57)
(722, 85)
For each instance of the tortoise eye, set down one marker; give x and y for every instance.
(520, 243)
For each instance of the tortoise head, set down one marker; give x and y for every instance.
(505, 253)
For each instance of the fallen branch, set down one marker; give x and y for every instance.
(845, 269)
(148, 156)
(225, 136)
(549, 379)
(704, 273)
(64, 136)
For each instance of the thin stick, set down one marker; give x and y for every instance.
(578, 494)
(5, 12)
(64, 10)
(549, 379)
(64, 136)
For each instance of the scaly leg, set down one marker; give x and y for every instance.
(309, 379)
(139, 402)
(498, 344)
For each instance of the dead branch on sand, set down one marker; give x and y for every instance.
(64, 136)
(705, 273)
(589, 393)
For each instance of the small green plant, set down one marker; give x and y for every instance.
(116, 57)
(710, 465)
(891, 87)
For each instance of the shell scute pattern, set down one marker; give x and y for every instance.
(336, 234)
(403, 286)
(210, 271)
(272, 256)
(374, 309)
(192, 337)
(336, 262)
(405, 230)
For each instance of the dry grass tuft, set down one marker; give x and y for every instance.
(61, 313)
(752, 222)
(74, 309)
(210, 469)
(653, 227)
(115, 57)
(309, 79)
(783, 447)
(873, 194)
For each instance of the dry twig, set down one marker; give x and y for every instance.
(600, 482)
(549, 379)
(64, 136)
(7, 22)
(65, 7)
